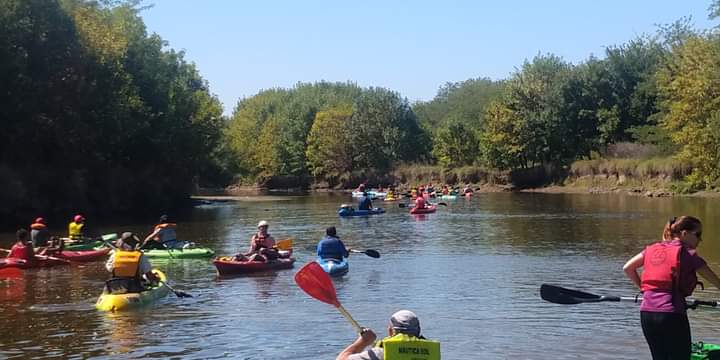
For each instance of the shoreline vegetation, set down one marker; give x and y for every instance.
(105, 119)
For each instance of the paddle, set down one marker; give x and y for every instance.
(317, 283)
(402, 205)
(178, 293)
(369, 252)
(285, 244)
(560, 295)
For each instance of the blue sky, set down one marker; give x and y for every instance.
(412, 47)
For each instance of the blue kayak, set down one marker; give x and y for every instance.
(348, 211)
(334, 267)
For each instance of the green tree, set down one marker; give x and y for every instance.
(330, 152)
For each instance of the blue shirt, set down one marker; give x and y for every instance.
(331, 247)
(365, 203)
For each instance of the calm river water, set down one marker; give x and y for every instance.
(471, 272)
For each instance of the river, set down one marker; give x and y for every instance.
(471, 272)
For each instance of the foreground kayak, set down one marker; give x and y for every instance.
(117, 302)
(702, 351)
(334, 267)
(228, 266)
(427, 210)
(83, 255)
(192, 253)
(40, 262)
(344, 212)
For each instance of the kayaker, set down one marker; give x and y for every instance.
(23, 248)
(420, 202)
(76, 228)
(55, 245)
(669, 275)
(331, 247)
(365, 202)
(467, 189)
(163, 236)
(262, 246)
(445, 190)
(403, 334)
(129, 267)
(39, 233)
(360, 188)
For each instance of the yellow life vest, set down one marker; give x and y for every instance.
(406, 347)
(75, 230)
(126, 263)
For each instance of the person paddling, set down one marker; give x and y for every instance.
(129, 267)
(39, 233)
(365, 202)
(76, 229)
(331, 247)
(669, 275)
(420, 202)
(163, 236)
(262, 246)
(23, 248)
(403, 334)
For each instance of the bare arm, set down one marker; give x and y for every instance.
(365, 339)
(151, 236)
(632, 266)
(707, 273)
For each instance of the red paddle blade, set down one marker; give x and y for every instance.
(317, 283)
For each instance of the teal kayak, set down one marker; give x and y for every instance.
(334, 267)
(448, 197)
(191, 253)
(703, 351)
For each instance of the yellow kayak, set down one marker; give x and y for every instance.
(117, 302)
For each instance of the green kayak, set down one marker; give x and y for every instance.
(702, 351)
(192, 253)
(90, 245)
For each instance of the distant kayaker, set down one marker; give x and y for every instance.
(467, 189)
(669, 275)
(331, 247)
(262, 246)
(360, 188)
(420, 202)
(403, 334)
(365, 202)
(39, 233)
(445, 190)
(76, 228)
(163, 236)
(128, 265)
(22, 249)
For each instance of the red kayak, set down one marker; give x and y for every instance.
(83, 255)
(227, 266)
(427, 210)
(40, 262)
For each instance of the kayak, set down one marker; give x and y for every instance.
(191, 253)
(334, 267)
(388, 198)
(345, 211)
(227, 266)
(428, 210)
(448, 197)
(82, 255)
(702, 351)
(81, 246)
(40, 262)
(116, 302)
(371, 194)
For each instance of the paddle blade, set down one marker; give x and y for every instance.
(182, 294)
(109, 237)
(401, 205)
(286, 244)
(317, 283)
(372, 253)
(560, 295)
(443, 204)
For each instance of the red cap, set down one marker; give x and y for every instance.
(39, 220)
(78, 218)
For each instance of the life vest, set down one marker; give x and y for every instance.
(262, 241)
(167, 232)
(38, 226)
(75, 230)
(661, 269)
(126, 263)
(20, 251)
(420, 203)
(406, 347)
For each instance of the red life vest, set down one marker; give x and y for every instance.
(661, 269)
(19, 251)
(420, 203)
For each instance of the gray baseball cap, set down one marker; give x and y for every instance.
(406, 322)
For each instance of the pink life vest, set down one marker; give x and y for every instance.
(661, 269)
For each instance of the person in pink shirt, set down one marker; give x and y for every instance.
(669, 275)
(420, 202)
(23, 248)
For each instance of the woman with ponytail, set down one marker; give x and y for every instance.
(669, 275)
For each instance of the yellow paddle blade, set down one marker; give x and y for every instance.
(285, 244)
